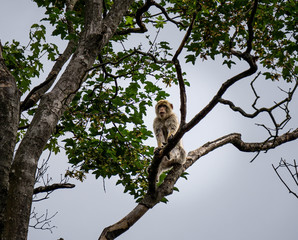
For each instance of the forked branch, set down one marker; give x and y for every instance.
(283, 105)
(166, 188)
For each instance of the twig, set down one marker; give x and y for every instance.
(42, 222)
(284, 164)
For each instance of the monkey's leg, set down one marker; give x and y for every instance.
(163, 166)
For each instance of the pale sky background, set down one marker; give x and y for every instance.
(225, 197)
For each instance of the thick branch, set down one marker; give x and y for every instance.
(124, 224)
(235, 139)
(37, 92)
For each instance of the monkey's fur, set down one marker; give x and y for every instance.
(165, 126)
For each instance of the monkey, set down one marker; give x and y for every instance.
(165, 126)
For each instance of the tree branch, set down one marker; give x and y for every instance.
(42, 222)
(235, 139)
(164, 12)
(37, 92)
(285, 164)
(142, 27)
(166, 188)
(124, 224)
(253, 68)
(250, 26)
(52, 187)
(183, 98)
(251, 60)
(154, 59)
(268, 110)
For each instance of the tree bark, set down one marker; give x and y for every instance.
(9, 120)
(124, 224)
(97, 33)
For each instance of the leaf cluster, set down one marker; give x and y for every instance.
(222, 26)
(25, 62)
(106, 120)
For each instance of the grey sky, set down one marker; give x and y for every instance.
(225, 196)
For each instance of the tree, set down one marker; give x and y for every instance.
(102, 95)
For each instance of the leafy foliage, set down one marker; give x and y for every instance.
(103, 129)
(274, 34)
(25, 62)
(106, 120)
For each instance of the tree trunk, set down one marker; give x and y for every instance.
(97, 33)
(9, 120)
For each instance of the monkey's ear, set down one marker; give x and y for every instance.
(171, 105)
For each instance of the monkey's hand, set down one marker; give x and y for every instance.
(170, 136)
(157, 150)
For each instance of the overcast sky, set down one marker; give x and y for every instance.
(225, 196)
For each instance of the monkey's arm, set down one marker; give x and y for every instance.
(172, 125)
(160, 138)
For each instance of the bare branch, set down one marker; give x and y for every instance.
(46, 180)
(294, 175)
(253, 68)
(42, 222)
(235, 139)
(52, 187)
(283, 104)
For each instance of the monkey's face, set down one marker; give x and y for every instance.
(162, 111)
